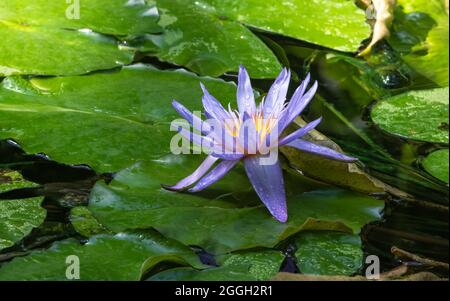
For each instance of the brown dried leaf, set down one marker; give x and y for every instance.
(384, 15)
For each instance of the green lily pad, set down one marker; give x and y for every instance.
(17, 217)
(418, 115)
(213, 219)
(197, 38)
(26, 49)
(329, 253)
(336, 24)
(420, 34)
(85, 223)
(59, 38)
(436, 164)
(117, 17)
(209, 37)
(106, 120)
(124, 256)
(245, 266)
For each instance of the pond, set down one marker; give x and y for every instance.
(85, 140)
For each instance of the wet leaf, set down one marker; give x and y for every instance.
(66, 52)
(59, 38)
(210, 37)
(196, 37)
(418, 115)
(211, 219)
(85, 223)
(436, 164)
(106, 120)
(337, 24)
(124, 256)
(17, 217)
(244, 266)
(329, 253)
(117, 17)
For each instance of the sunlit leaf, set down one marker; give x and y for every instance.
(419, 115)
(210, 37)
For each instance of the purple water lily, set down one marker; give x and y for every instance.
(235, 142)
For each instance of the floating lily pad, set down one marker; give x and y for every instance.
(209, 37)
(436, 164)
(112, 17)
(418, 115)
(26, 49)
(198, 38)
(246, 266)
(51, 38)
(124, 256)
(336, 24)
(85, 223)
(215, 222)
(17, 217)
(106, 120)
(329, 253)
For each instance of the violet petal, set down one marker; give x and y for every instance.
(319, 150)
(245, 97)
(267, 180)
(297, 104)
(213, 108)
(248, 135)
(193, 119)
(214, 175)
(195, 176)
(300, 132)
(276, 96)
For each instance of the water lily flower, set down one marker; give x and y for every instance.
(235, 142)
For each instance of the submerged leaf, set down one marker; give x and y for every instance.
(436, 164)
(85, 223)
(420, 35)
(17, 217)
